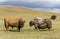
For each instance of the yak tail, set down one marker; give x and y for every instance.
(53, 17)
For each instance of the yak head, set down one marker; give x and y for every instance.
(31, 23)
(21, 22)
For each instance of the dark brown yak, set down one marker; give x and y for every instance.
(19, 23)
(42, 23)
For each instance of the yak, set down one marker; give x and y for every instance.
(41, 23)
(9, 22)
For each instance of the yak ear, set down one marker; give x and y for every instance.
(31, 23)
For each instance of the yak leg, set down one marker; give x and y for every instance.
(18, 28)
(38, 27)
(6, 26)
(35, 26)
(49, 25)
(49, 29)
(12, 27)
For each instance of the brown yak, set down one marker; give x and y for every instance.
(42, 23)
(19, 23)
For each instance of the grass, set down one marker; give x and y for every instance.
(28, 32)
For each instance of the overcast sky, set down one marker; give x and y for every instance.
(44, 5)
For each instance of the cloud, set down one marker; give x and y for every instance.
(55, 10)
(43, 5)
(3, 0)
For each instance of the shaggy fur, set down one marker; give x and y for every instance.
(19, 23)
(42, 23)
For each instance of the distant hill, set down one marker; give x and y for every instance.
(15, 12)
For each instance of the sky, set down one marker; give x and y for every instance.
(42, 5)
